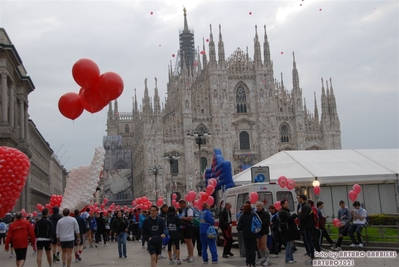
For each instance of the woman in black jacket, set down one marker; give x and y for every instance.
(289, 230)
(262, 235)
(173, 224)
(244, 225)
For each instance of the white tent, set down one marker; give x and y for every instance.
(376, 170)
(332, 167)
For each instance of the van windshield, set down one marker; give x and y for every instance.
(266, 197)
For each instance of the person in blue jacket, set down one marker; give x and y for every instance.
(142, 217)
(206, 220)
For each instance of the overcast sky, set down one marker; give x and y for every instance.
(353, 42)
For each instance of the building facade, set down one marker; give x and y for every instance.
(18, 131)
(248, 112)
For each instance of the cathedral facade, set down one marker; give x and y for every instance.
(237, 101)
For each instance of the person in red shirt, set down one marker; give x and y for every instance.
(18, 234)
(316, 228)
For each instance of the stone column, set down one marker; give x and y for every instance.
(4, 96)
(22, 119)
(26, 117)
(12, 89)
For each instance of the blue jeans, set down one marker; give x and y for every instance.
(212, 247)
(289, 256)
(121, 238)
(358, 229)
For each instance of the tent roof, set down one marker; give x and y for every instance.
(330, 166)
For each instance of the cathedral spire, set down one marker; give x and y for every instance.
(187, 46)
(157, 105)
(282, 82)
(199, 62)
(204, 60)
(266, 50)
(257, 52)
(295, 78)
(116, 107)
(185, 20)
(305, 109)
(332, 95)
(316, 111)
(110, 113)
(135, 101)
(221, 58)
(212, 51)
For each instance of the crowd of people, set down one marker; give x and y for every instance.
(167, 228)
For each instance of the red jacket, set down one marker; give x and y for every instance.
(18, 234)
(315, 216)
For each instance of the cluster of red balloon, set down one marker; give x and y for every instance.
(14, 168)
(354, 192)
(55, 201)
(96, 90)
(284, 182)
(142, 202)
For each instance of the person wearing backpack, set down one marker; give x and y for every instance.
(306, 224)
(173, 223)
(345, 217)
(196, 231)
(245, 225)
(359, 216)
(206, 221)
(262, 234)
(289, 229)
(3, 231)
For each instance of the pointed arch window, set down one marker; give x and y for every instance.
(284, 134)
(244, 141)
(241, 99)
(204, 164)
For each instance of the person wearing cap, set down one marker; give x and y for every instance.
(153, 232)
(18, 234)
(67, 226)
(54, 218)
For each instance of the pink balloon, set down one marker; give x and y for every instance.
(204, 196)
(352, 195)
(105, 201)
(357, 188)
(290, 184)
(34, 213)
(174, 196)
(191, 196)
(282, 181)
(213, 182)
(316, 190)
(173, 202)
(253, 197)
(277, 205)
(336, 222)
(210, 200)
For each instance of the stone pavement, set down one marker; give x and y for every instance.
(138, 257)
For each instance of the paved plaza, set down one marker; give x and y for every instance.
(138, 257)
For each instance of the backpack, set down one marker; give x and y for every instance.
(211, 232)
(196, 218)
(3, 227)
(256, 225)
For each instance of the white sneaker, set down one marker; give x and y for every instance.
(361, 245)
(171, 262)
(190, 260)
(178, 262)
(161, 257)
(353, 245)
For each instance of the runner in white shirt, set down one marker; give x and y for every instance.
(67, 226)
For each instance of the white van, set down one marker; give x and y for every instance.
(268, 193)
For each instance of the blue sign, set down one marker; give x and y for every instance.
(261, 178)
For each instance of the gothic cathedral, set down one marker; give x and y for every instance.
(237, 101)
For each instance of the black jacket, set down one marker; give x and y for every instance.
(244, 225)
(119, 225)
(288, 226)
(153, 227)
(100, 224)
(173, 224)
(54, 219)
(265, 218)
(306, 217)
(44, 229)
(224, 221)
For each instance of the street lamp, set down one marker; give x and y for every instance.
(155, 170)
(171, 160)
(200, 139)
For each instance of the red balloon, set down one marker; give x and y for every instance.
(110, 86)
(207, 40)
(195, 64)
(70, 106)
(34, 213)
(336, 222)
(151, 13)
(317, 190)
(173, 55)
(174, 202)
(105, 201)
(202, 52)
(210, 189)
(159, 202)
(250, 13)
(253, 197)
(86, 73)
(282, 181)
(174, 196)
(204, 197)
(277, 205)
(352, 195)
(92, 101)
(210, 201)
(357, 188)
(290, 184)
